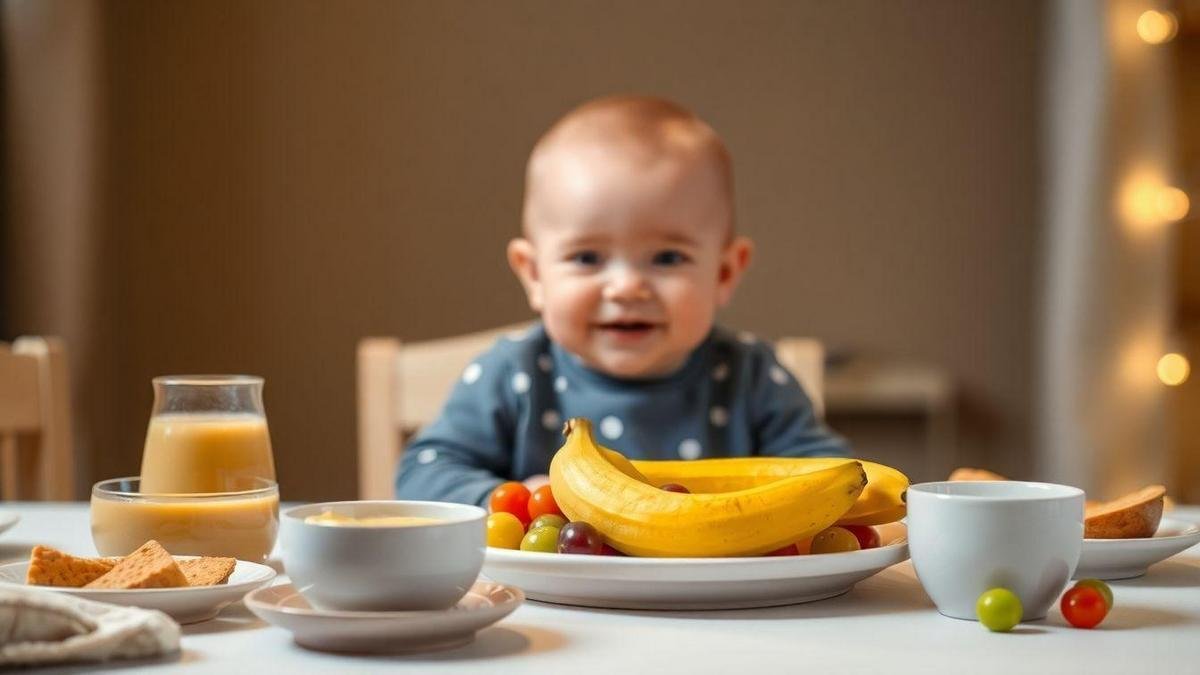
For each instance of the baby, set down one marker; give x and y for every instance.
(628, 251)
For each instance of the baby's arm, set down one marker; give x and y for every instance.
(467, 451)
(785, 423)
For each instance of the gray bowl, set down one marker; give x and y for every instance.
(390, 568)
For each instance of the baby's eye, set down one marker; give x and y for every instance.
(669, 258)
(585, 258)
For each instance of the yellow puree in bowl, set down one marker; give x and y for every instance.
(339, 520)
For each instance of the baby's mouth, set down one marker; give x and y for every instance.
(624, 332)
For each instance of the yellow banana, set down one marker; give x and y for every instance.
(882, 501)
(637, 518)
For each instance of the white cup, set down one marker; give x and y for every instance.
(390, 568)
(966, 537)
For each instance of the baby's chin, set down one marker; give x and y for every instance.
(634, 366)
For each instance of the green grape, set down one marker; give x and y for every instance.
(541, 540)
(548, 520)
(999, 609)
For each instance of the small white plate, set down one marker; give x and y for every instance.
(8, 519)
(185, 605)
(687, 583)
(1129, 558)
(384, 632)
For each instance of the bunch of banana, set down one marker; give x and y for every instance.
(882, 501)
(601, 487)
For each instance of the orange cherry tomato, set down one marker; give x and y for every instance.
(542, 502)
(511, 497)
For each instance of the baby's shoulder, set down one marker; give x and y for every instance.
(514, 352)
(742, 349)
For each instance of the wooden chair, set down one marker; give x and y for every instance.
(401, 387)
(36, 456)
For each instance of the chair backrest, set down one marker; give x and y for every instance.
(402, 387)
(37, 459)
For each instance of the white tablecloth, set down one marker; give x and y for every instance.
(885, 625)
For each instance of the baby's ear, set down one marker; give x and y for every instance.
(735, 259)
(522, 258)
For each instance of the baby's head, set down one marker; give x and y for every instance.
(629, 246)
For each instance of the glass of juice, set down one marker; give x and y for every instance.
(207, 434)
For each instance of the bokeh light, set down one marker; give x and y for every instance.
(1173, 203)
(1157, 27)
(1173, 369)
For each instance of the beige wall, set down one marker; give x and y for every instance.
(282, 178)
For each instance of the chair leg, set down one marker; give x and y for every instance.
(8, 466)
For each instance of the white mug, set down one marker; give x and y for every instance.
(966, 537)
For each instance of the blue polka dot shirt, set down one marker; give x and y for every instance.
(504, 419)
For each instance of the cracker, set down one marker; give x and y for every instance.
(148, 567)
(51, 567)
(207, 571)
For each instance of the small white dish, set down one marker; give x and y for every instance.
(687, 583)
(384, 632)
(8, 519)
(1128, 558)
(185, 605)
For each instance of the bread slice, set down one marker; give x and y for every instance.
(207, 571)
(1131, 516)
(966, 473)
(51, 567)
(148, 567)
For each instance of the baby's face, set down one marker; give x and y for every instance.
(629, 262)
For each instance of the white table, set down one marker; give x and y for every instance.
(885, 625)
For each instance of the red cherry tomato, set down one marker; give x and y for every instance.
(542, 502)
(1083, 607)
(511, 497)
(866, 535)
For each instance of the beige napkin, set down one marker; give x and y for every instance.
(38, 627)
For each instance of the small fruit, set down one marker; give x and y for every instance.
(580, 538)
(608, 550)
(867, 536)
(504, 530)
(790, 549)
(1099, 586)
(999, 609)
(541, 540)
(511, 497)
(548, 520)
(675, 487)
(834, 540)
(542, 502)
(1083, 607)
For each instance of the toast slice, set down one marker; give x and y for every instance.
(51, 567)
(1131, 516)
(207, 571)
(148, 567)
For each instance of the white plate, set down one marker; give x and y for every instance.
(1128, 558)
(384, 632)
(687, 583)
(185, 605)
(8, 519)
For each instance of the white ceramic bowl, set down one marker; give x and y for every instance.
(391, 568)
(966, 537)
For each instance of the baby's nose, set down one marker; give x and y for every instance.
(628, 285)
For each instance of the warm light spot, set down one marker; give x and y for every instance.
(1173, 369)
(1157, 27)
(1138, 199)
(1173, 203)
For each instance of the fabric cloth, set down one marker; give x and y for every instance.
(504, 418)
(43, 627)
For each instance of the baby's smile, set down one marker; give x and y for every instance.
(627, 332)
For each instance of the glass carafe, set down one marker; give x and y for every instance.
(207, 433)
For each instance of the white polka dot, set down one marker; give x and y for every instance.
(545, 363)
(560, 384)
(472, 373)
(551, 420)
(520, 383)
(427, 455)
(718, 416)
(611, 427)
(779, 375)
(747, 338)
(720, 372)
(689, 448)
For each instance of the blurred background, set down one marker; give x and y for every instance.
(980, 208)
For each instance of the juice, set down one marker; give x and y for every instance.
(242, 528)
(205, 452)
